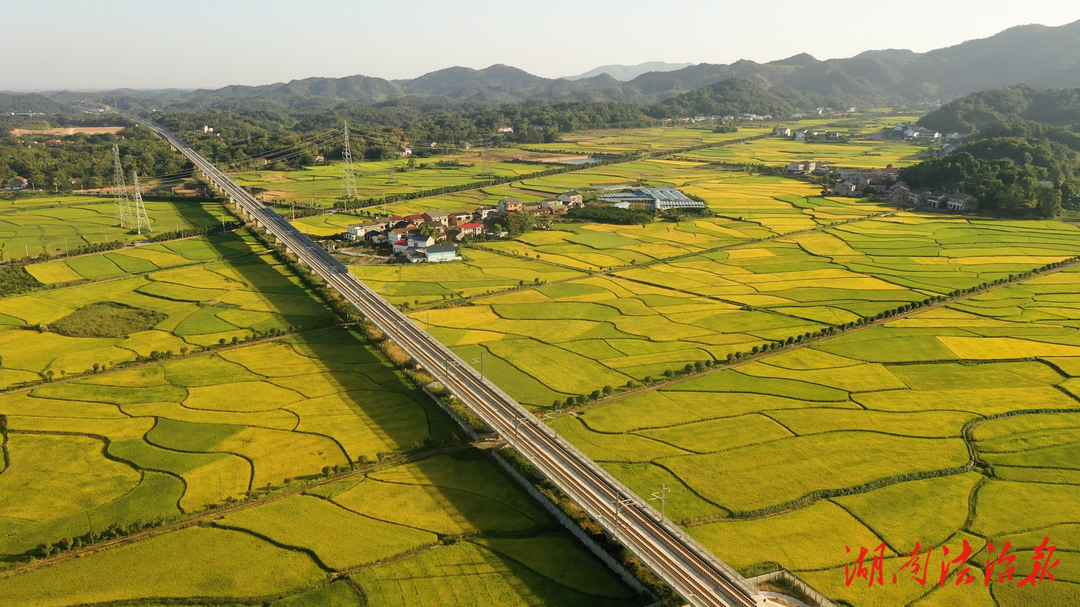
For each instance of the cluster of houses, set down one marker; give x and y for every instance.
(884, 184)
(416, 236)
(801, 134)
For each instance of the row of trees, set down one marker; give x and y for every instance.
(84, 161)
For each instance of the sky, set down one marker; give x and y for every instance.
(153, 44)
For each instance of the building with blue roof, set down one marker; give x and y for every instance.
(654, 199)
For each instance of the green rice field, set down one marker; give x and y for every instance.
(322, 184)
(32, 225)
(108, 453)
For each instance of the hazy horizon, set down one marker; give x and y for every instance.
(131, 44)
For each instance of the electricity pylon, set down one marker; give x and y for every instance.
(123, 204)
(138, 210)
(485, 164)
(348, 183)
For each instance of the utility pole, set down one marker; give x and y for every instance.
(662, 496)
(481, 361)
(554, 417)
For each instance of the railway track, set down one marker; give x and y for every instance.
(693, 572)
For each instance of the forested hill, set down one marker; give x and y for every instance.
(1058, 107)
(736, 96)
(1033, 54)
(14, 103)
(1015, 168)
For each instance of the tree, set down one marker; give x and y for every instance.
(429, 230)
(595, 394)
(609, 389)
(669, 374)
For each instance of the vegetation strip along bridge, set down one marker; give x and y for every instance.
(685, 565)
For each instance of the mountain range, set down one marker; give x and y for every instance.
(1033, 54)
(626, 73)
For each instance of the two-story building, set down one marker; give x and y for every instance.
(961, 202)
(437, 217)
(469, 230)
(507, 205)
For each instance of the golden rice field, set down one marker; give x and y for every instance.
(775, 151)
(959, 422)
(863, 439)
(111, 452)
(857, 440)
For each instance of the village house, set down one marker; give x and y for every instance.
(799, 168)
(400, 246)
(53, 143)
(937, 200)
(897, 193)
(357, 231)
(437, 217)
(571, 198)
(961, 202)
(502, 130)
(507, 205)
(459, 217)
(482, 213)
(433, 254)
(469, 230)
(890, 173)
(800, 135)
(783, 132)
(419, 241)
(416, 219)
(402, 232)
(464, 145)
(17, 183)
(877, 185)
(846, 188)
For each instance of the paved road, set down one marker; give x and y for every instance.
(698, 576)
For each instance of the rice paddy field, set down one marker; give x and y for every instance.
(956, 423)
(322, 184)
(776, 151)
(647, 140)
(237, 435)
(937, 427)
(31, 226)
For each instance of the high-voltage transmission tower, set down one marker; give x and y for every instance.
(138, 209)
(348, 183)
(485, 164)
(123, 203)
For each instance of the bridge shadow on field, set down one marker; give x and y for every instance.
(493, 539)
